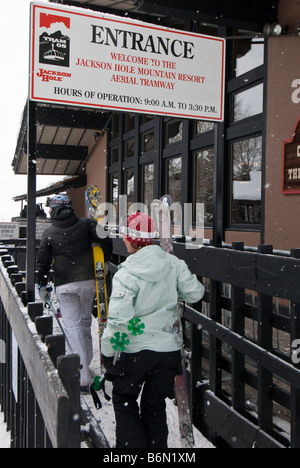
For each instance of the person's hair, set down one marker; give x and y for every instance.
(137, 247)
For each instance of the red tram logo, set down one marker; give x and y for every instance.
(54, 40)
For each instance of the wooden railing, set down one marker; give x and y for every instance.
(244, 375)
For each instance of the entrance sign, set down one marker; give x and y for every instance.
(87, 59)
(291, 163)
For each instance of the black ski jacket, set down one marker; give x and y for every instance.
(67, 248)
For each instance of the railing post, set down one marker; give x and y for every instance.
(238, 359)
(35, 309)
(69, 373)
(44, 326)
(56, 347)
(265, 341)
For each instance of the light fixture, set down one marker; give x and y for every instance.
(97, 136)
(274, 29)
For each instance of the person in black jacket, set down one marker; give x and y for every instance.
(67, 248)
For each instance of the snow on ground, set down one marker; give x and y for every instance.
(4, 435)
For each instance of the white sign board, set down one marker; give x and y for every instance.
(40, 229)
(9, 231)
(88, 59)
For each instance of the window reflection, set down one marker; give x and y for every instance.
(129, 149)
(203, 127)
(248, 103)
(174, 132)
(174, 171)
(148, 185)
(115, 192)
(248, 53)
(204, 173)
(148, 142)
(129, 181)
(174, 186)
(246, 181)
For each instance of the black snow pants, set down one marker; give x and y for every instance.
(153, 373)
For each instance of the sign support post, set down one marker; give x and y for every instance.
(31, 202)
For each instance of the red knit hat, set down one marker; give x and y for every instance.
(139, 229)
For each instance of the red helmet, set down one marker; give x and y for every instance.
(139, 229)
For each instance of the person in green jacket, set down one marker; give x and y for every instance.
(145, 293)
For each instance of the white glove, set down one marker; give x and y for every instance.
(44, 292)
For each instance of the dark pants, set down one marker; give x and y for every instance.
(153, 373)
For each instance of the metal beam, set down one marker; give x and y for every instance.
(71, 118)
(216, 11)
(62, 152)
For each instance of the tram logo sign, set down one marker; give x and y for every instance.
(54, 43)
(91, 59)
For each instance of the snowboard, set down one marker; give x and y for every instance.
(161, 209)
(93, 200)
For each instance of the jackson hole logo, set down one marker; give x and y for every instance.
(54, 40)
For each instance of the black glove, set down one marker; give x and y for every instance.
(112, 370)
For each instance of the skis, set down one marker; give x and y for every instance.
(93, 200)
(163, 219)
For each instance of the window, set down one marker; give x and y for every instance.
(174, 171)
(203, 190)
(115, 191)
(114, 155)
(246, 181)
(129, 183)
(202, 127)
(129, 149)
(147, 118)
(115, 126)
(174, 186)
(248, 53)
(248, 103)
(174, 132)
(130, 121)
(148, 142)
(148, 186)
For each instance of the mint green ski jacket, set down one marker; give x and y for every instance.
(148, 286)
